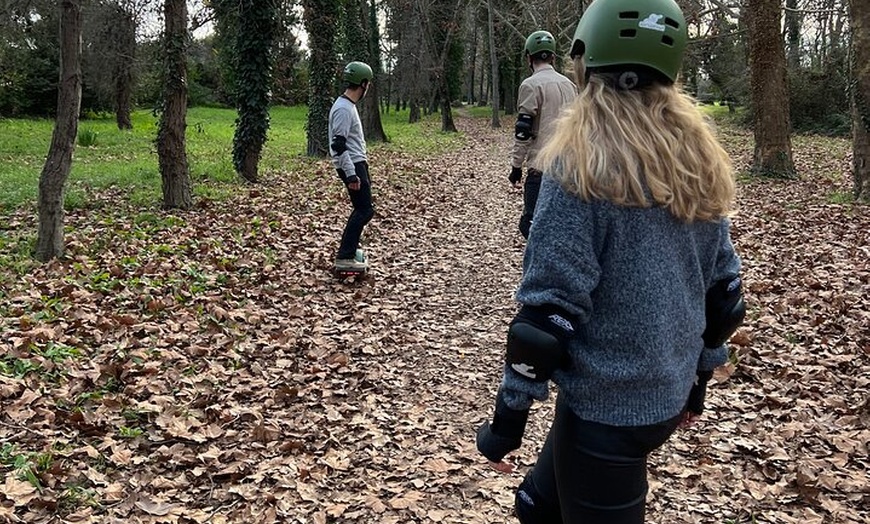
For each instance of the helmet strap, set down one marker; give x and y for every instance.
(619, 78)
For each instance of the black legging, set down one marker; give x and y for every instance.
(531, 188)
(361, 214)
(590, 473)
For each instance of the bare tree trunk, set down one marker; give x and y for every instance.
(124, 70)
(472, 56)
(49, 241)
(370, 114)
(769, 90)
(447, 124)
(793, 24)
(171, 149)
(123, 98)
(484, 90)
(512, 87)
(443, 23)
(414, 114)
(493, 60)
(860, 12)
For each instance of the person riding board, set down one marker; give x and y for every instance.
(630, 283)
(348, 150)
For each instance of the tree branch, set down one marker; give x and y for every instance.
(504, 20)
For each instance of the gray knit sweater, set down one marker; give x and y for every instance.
(636, 279)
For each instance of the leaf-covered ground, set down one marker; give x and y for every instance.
(205, 367)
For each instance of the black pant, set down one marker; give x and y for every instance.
(363, 211)
(531, 188)
(590, 473)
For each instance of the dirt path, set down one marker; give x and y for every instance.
(446, 257)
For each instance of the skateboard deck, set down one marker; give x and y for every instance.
(349, 273)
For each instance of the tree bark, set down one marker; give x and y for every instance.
(321, 17)
(123, 100)
(171, 148)
(370, 114)
(769, 90)
(860, 13)
(124, 63)
(49, 241)
(414, 113)
(793, 22)
(371, 117)
(493, 60)
(472, 66)
(447, 124)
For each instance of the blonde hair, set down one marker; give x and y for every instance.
(641, 148)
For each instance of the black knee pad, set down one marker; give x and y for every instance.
(531, 508)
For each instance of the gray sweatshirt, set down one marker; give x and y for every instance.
(344, 121)
(636, 279)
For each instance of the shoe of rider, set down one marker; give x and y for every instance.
(350, 264)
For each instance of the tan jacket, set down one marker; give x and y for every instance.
(543, 96)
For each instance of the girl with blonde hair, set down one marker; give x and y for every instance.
(630, 283)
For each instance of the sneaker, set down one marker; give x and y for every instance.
(360, 256)
(350, 264)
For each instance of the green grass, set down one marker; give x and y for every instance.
(107, 156)
(28, 466)
(841, 198)
(721, 112)
(481, 111)
(15, 367)
(422, 138)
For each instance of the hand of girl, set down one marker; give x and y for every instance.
(502, 467)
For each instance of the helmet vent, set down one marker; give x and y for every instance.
(668, 41)
(671, 22)
(628, 33)
(631, 15)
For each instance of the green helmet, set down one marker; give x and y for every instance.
(651, 33)
(357, 72)
(540, 41)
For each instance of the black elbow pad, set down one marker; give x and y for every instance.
(523, 127)
(724, 311)
(339, 145)
(537, 342)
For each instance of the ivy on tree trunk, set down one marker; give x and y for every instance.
(445, 18)
(256, 31)
(321, 18)
(49, 241)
